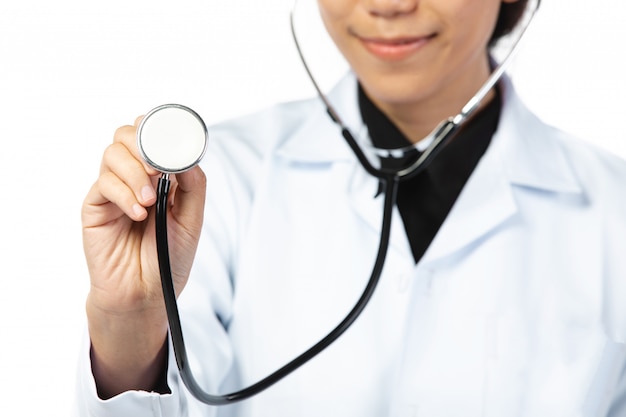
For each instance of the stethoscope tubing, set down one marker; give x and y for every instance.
(176, 334)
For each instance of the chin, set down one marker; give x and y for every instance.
(397, 90)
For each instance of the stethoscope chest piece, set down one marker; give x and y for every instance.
(172, 138)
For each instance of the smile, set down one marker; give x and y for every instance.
(396, 49)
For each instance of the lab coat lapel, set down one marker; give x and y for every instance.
(319, 141)
(517, 157)
(363, 190)
(485, 202)
(362, 187)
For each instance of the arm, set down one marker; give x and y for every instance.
(125, 312)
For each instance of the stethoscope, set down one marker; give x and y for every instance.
(173, 138)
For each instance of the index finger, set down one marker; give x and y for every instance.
(127, 136)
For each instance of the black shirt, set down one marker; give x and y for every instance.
(424, 201)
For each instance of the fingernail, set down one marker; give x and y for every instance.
(147, 193)
(138, 210)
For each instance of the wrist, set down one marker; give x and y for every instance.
(128, 349)
(149, 375)
(142, 331)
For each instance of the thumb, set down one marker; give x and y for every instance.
(189, 197)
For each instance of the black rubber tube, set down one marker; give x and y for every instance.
(176, 333)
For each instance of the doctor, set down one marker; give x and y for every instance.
(503, 292)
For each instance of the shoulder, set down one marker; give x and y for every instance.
(579, 185)
(269, 129)
(603, 178)
(239, 147)
(262, 131)
(297, 130)
(549, 155)
(593, 163)
(601, 173)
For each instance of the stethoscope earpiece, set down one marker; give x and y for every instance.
(172, 138)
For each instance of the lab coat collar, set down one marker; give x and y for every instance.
(319, 139)
(524, 152)
(531, 161)
(532, 156)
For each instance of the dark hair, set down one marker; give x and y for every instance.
(509, 17)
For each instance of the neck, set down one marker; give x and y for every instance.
(417, 118)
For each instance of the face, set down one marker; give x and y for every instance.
(415, 52)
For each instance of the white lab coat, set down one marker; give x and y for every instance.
(518, 307)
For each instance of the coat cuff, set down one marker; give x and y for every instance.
(129, 403)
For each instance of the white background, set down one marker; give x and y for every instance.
(72, 71)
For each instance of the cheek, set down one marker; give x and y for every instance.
(475, 20)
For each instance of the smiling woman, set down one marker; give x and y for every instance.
(501, 291)
(72, 71)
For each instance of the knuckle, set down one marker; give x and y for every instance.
(124, 134)
(114, 190)
(111, 153)
(112, 149)
(106, 180)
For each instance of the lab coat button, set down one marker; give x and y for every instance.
(424, 281)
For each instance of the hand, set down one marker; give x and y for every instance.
(125, 309)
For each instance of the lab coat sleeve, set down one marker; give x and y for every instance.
(609, 189)
(130, 403)
(202, 305)
(615, 265)
(615, 282)
(618, 406)
(208, 348)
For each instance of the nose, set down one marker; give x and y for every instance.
(391, 8)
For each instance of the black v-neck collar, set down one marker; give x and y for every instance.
(425, 200)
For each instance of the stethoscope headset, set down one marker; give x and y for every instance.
(173, 138)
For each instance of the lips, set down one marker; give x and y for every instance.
(395, 49)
